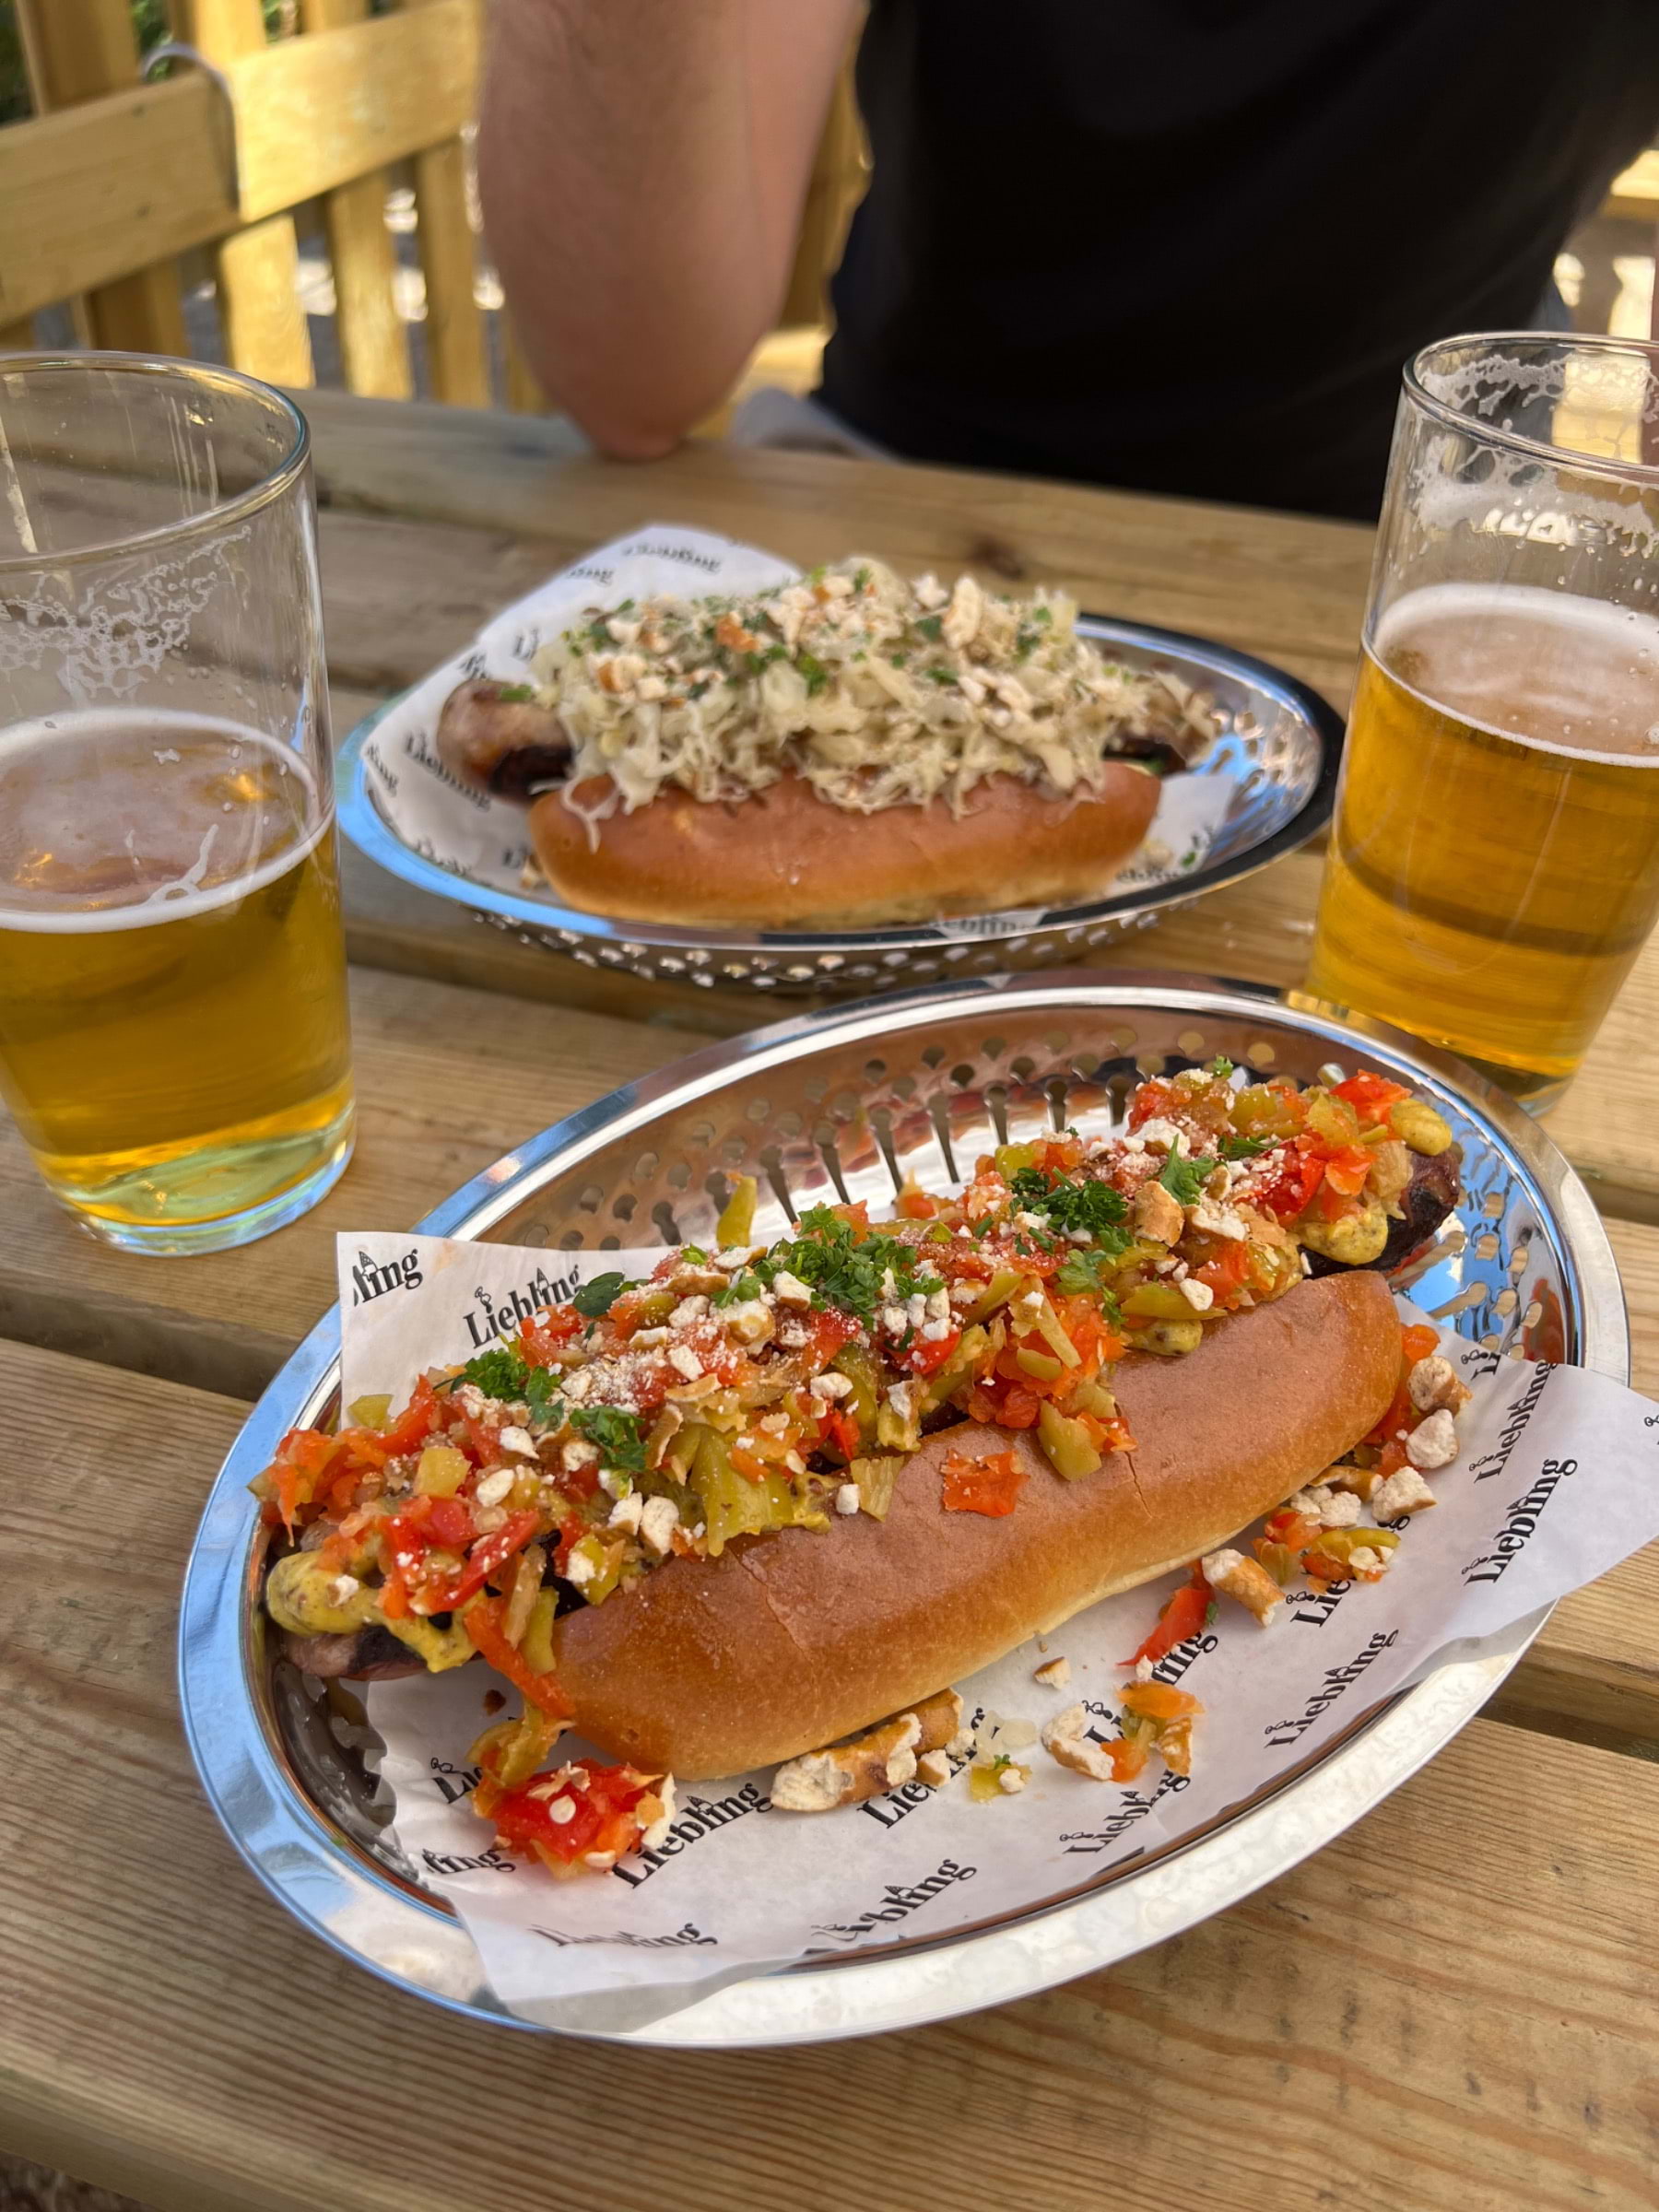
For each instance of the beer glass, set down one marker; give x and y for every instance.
(173, 1038)
(1494, 868)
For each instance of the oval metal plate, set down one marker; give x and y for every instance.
(1276, 747)
(843, 1105)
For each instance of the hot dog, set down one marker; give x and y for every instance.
(770, 1495)
(842, 752)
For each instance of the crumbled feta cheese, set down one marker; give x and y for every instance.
(750, 1321)
(1399, 1494)
(1143, 1670)
(1054, 1675)
(493, 1486)
(561, 1810)
(964, 1294)
(895, 1320)
(830, 1385)
(689, 1310)
(615, 1482)
(578, 1453)
(846, 1498)
(655, 1835)
(580, 1569)
(647, 1339)
(579, 1384)
(1217, 1566)
(514, 1439)
(343, 1589)
(471, 1400)
(1434, 1443)
(1163, 1133)
(1339, 1508)
(938, 1304)
(626, 1512)
(1199, 1296)
(935, 1331)
(916, 1309)
(890, 1288)
(789, 1289)
(1030, 1220)
(898, 1398)
(658, 1519)
(685, 1361)
(1010, 1780)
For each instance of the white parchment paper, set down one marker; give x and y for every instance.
(1558, 1481)
(477, 836)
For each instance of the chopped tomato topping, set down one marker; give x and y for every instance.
(989, 1486)
(549, 1332)
(1182, 1614)
(926, 1354)
(1418, 1342)
(1292, 1189)
(1160, 1701)
(1370, 1095)
(483, 1621)
(916, 1206)
(1346, 1169)
(416, 1422)
(602, 1816)
(490, 1553)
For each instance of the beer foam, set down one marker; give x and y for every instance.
(186, 896)
(1609, 655)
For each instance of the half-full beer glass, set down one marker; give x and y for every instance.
(173, 1037)
(1495, 865)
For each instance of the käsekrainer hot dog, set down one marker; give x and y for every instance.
(769, 1495)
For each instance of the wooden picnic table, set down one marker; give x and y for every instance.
(1453, 2007)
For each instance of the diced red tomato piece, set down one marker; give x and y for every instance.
(490, 1553)
(416, 1422)
(1151, 1102)
(989, 1486)
(1292, 1189)
(1346, 1169)
(916, 1206)
(483, 1619)
(925, 1354)
(1182, 1614)
(1418, 1342)
(1160, 1701)
(549, 1332)
(603, 1818)
(1370, 1095)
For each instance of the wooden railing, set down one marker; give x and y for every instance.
(112, 179)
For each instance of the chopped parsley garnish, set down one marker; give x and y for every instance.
(756, 661)
(940, 676)
(514, 695)
(1093, 1207)
(814, 670)
(498, 1372)
(1185, 1179)
(1246, 1147)
(1042, 616)
(1079, 1275)
(599, 1296)
(1222, 1066)
(738, 1288)
(861, 578)
(930, 626)
(616, 1433)
(842, 1269)
(539, 1395)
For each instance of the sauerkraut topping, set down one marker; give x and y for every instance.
(880, 692)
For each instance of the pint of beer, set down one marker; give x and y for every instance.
(173, 1034)
(1494, 867)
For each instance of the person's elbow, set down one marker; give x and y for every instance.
(630, 417)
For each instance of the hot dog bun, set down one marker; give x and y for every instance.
(786, 859)
(710, 1666)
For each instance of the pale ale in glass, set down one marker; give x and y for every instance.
(173, 1035)
(1494, 862)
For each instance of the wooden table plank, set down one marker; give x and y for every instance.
(1289, 586)
(447, 1081)
(1456, 2001)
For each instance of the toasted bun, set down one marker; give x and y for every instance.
(786, 859)
(710, 1666)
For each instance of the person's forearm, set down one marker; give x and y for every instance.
(643, 165)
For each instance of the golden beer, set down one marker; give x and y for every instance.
(1495, 863)
(173, 1028)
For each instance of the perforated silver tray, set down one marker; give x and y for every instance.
(1276, 747)
(843, 1105)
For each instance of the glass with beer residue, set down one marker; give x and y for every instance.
(1494, 867)
(174, 1031)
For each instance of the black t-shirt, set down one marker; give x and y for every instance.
(1187, 244)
